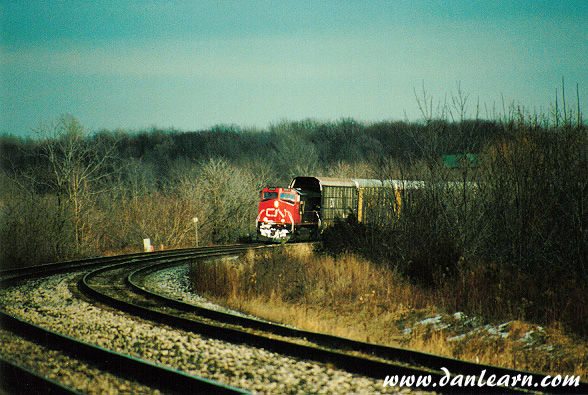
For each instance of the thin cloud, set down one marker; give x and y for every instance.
(193, 64)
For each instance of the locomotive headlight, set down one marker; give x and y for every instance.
(264, 219)
(276, 204)
(283, 220)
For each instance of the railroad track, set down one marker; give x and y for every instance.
(19, 379)
(353, 356)
(119, 283)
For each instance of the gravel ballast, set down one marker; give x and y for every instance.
(51, 304)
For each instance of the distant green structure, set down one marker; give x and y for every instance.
(461, 161)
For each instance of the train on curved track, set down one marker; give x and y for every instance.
(310, 204)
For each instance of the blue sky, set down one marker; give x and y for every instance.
(194, 64)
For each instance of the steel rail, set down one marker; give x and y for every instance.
(20, 380)
(328, 349)
(176, 257)
(9, 277)
(426, 360)
(150, 374)
(181, 257)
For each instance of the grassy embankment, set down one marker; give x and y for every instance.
(350, 297)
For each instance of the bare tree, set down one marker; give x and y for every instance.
(293, 153)
(77, 167)
(224, 197)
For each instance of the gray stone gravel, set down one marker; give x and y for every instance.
(65, 370)
(50, 303)
(174, 282)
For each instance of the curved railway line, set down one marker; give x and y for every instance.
(19, 379)
(119, 283)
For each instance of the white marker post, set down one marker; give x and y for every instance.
(147, 245)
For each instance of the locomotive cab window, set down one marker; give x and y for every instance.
(269, 195)
(288, 197)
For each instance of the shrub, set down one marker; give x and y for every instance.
(501, 292)
(34, 230)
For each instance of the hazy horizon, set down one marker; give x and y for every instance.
(193, 65)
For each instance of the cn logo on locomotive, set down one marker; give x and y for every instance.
(276, 212)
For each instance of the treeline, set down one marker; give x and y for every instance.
(71, 193)
(284, 146)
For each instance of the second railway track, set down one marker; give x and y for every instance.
(119, 284)
(353, 356)
(23, 341)
(53, 303)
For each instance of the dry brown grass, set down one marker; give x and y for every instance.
(351, 298)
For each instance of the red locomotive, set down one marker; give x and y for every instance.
(285, 214)
(279, 211)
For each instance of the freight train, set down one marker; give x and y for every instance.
(301, 211)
